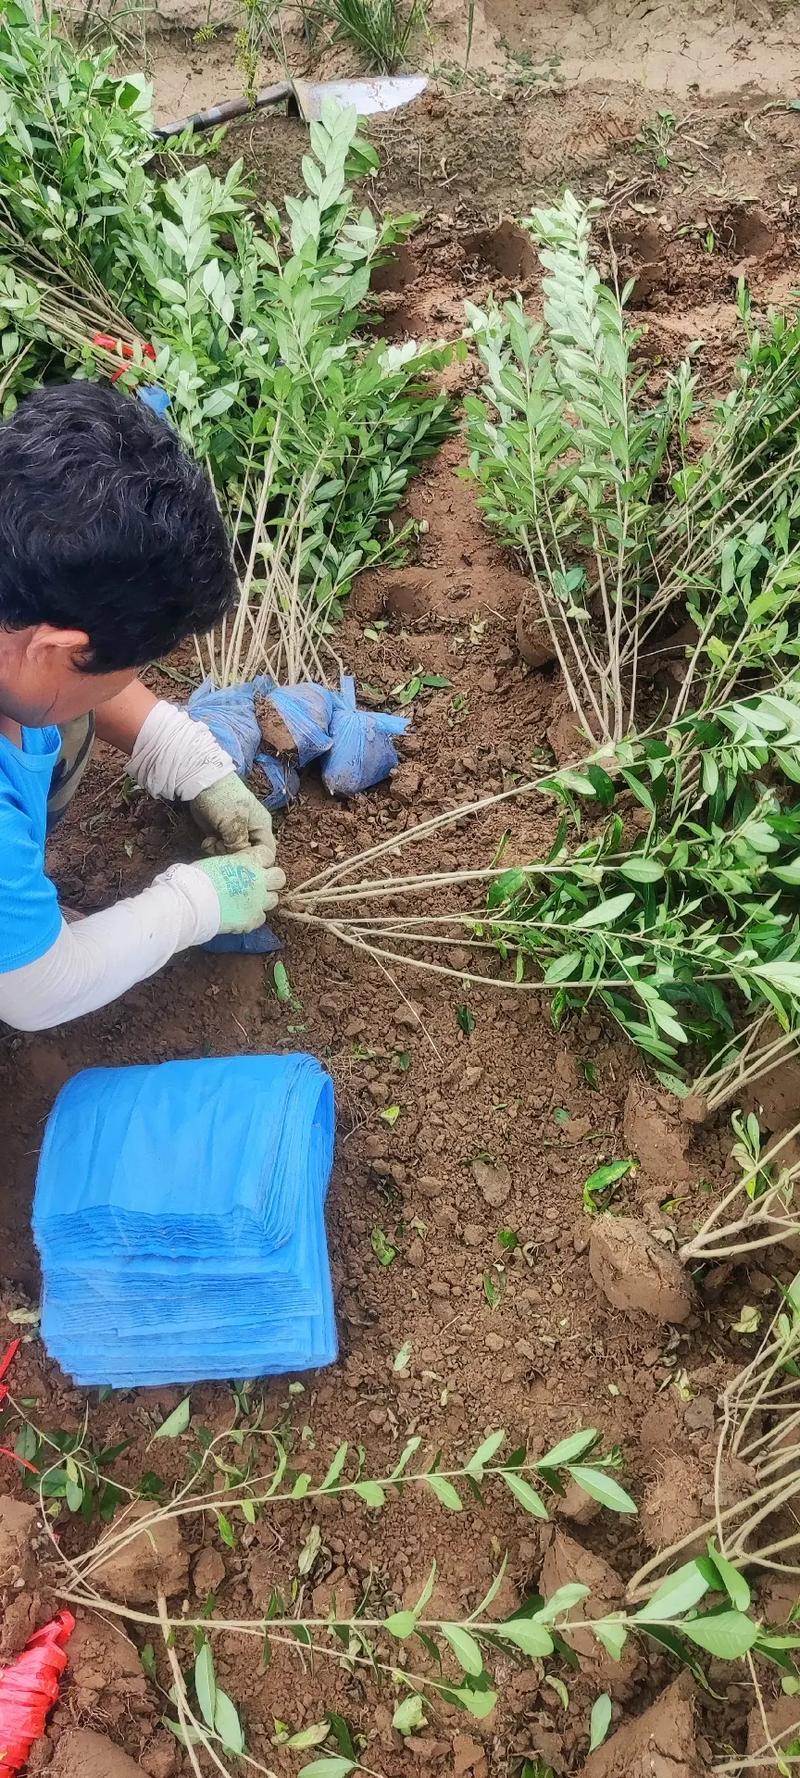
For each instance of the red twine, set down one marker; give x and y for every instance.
(28, 1690)
(5, 1365)
(108, 343)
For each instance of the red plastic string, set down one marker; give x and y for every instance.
(28, 1690)
(5, 1365)
(108, 343)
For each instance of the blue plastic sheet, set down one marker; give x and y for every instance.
(156, 398)
(179, 1216)
(355, 745)
(362, 750)
(261, 943)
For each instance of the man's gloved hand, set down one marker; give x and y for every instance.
(235, 817)
(179, 759)
(246, 889)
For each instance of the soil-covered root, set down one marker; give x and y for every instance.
(19, 1601)
(81, 1754)
(636, 1272)
(657, 1135)
(565, 735)
(567, 1561)
(152, 1562)
(532, 634)
(661, 1743)
(680, 1500)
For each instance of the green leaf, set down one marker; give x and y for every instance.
(480, 1704)
(383, 1249)
(611, 1635)
(445, 1492)
(641, 870)
(558, 1686)
(281, 983)
(568, 1449)
(525, 1494)
(484, 1454)
(410, 1715)
(465, 1648)
(176, 1422)
(226, 1531)
(604, 914)
(371, 1493)
(401, 1624)
(328, 1767)
(390, 1115)
(527, 1634)
(427, 1591)
(603, 1177)
(466, 1020)
(337, 1465)
(677, 1594)
(227, 1724)
(314, 1736)
(562, 1600)
(600, 1721)
(205, 1683)
(601, 1486)
(727, 1634)
(734, 1583)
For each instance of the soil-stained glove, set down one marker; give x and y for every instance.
(246, 890)
(177, 758)
(234, 816)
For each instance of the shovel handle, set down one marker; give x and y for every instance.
(230, 108)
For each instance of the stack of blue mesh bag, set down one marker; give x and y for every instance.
(179, 1216)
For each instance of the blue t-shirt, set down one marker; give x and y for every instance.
(30, 917)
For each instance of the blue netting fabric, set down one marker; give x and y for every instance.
(356, 746)
(179, 1216)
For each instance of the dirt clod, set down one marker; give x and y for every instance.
(577, 1506)
(673, 1505)
(209, 1573)
(567, 1561)
(153, 1562)
(532, 635)
(19, 1604)
(661, 1743)
(657, 1135)
(82, 1754)
(105, 1672)
(493, 1181)
(636, 1272)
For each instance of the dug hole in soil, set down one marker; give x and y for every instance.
(497, 1129)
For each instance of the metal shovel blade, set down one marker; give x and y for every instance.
(368, 97)
(306, 98)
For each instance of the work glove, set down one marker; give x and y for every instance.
(179, 759)
(246, 889)
(234, 817)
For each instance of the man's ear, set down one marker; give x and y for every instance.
(46, 644)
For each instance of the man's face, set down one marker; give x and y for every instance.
(42, 680)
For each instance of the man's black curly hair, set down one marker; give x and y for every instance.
(107, 526)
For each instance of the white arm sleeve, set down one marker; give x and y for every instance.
(97, 959)
(175, 757)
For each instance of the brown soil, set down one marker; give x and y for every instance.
(497, 1129)
(661, 1743)
(81, 1754)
